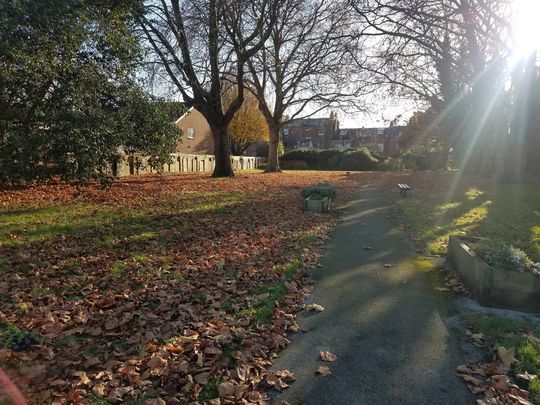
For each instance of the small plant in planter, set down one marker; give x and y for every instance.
(506, 257)
(318, 196)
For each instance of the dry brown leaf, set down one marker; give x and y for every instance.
(83, 377)
(99, 389)
(499, 382)
(327, 356)
(92, 361)
(118, 393)
(156, 362)
(202, 378)
(323, 370)
(463, 369)
(281, 385)
(507, 356)
(226, 389)
(314, 308)
(286, 375)
(470, 379)
(527, 377)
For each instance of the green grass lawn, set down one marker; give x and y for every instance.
(509, 213)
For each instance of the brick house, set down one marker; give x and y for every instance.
(194, 153)
(310, 133)
(383, 141)
(197, 137)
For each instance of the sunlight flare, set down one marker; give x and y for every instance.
(526, 29)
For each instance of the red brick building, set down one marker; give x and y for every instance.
(310, 133)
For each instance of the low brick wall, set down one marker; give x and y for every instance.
(494, 287)
(185, 163)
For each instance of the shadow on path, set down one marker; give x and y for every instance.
(386, 325)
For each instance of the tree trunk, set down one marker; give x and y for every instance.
(272, 165)
(222, 152)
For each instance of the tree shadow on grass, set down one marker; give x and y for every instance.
(116, 245)
(504, 212)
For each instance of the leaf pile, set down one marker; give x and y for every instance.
(492, 382)
(453, 282)
(160, 290)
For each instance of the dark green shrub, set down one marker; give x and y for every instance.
(261, 149)
(358, 160)
(319, 191)
(294, 165)
(353, 159)
(315, 160)
(14, 338)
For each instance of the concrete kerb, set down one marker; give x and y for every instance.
(494, 287)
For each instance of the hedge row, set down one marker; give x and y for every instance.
(353, 159)
(359, 160)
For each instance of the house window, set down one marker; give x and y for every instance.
(191, 133)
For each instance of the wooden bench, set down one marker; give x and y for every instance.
(403, 188)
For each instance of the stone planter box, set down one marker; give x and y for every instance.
(317, 206)
(494, 287)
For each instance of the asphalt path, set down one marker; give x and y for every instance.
(387, 325)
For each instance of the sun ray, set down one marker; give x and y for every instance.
(526, 29)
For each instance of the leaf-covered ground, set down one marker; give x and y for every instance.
(170, 290)
(159, 287)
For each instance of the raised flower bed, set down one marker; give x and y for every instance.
(494, 286)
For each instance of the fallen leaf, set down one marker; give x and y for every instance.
(226, 389)
(99, 389)
(463, 369)
(202, 378)
(314, 308)
(527, 377)
(156, 362)
(286, 375)
(323, 370)
(82, 376)
(507, 356)
(327, 356)
(92, 361)
(499, 382)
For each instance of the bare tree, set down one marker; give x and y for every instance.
(197, 43)
(444, 52)
(304, 66)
